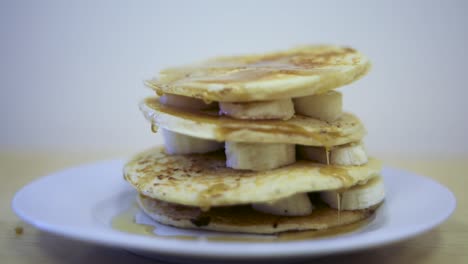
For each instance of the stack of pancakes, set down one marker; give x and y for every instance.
(258, 144)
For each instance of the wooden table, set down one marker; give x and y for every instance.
(446, 244)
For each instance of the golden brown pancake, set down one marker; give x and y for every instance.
(243, 219)
(296, 72)
(297, 130)
(203, 180)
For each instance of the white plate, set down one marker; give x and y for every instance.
(80, 203)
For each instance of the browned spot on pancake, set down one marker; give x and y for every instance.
(202, 220)
(232, 75)
(204, 180)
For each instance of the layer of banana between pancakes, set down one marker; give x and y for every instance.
(243, 219)
(297, 130)
(203, 180)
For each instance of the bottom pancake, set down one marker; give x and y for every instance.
(243, 219)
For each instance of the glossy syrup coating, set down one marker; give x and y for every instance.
(297, 72)
(203, 180)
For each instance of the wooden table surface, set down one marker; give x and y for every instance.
(446, 244)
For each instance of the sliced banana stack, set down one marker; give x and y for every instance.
(357, 197)
(296, 205)
(258, 156)
(347, 155)
(327, 106)
(178, 144)
(278, 109)
(260, 106)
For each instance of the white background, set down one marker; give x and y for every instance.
(71, 73)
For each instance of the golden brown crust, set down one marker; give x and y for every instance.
(296, 72)
(203, 180)
(297, 130)
(243, 219)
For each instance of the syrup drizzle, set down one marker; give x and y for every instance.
(339, 198)
(154, 128)
(327, 154)
(125, 222)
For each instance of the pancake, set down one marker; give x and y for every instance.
(296, 72)
(203, 180)
(300, 130)
(243, 219)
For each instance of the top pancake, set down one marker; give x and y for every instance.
(296, 72)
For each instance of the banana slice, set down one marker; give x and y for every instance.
(258, 156)
(296, 205)
(177, 143)
(347, 155)
(357, 197)
(278, 109)
(327, 106)
(185, 102)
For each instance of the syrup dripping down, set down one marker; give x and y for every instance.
(154, 128)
